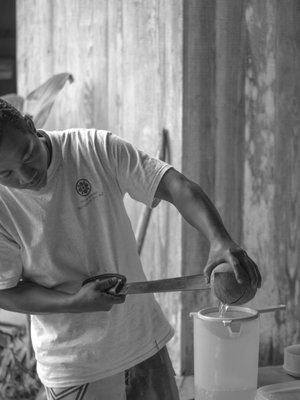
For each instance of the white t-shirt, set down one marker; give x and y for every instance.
(76, 227)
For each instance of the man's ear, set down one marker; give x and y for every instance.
(29, 123)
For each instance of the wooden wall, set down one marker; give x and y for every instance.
(223, 78)
(198, 148)
(213, 125)
(272, 160)
(241, 140)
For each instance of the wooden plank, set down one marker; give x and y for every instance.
(149, 99)
(260, 131)
(34, 44)
(271, 195)
(229, 113)
(287, 176)
(145, 66)
(198, 148)
(82, 52)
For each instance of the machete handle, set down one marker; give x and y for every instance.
(113, 290)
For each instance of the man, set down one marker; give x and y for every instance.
(62, 219)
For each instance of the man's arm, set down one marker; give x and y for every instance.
(198, 210)
(30, 298)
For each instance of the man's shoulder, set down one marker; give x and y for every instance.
(76, 132)
(78, 136)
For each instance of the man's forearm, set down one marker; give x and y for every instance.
(30, 298)
(199, 211)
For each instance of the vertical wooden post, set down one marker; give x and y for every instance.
(229, 112)
(198, 154)
(287, 176)
(272, 165)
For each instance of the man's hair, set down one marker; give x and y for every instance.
(9, 115)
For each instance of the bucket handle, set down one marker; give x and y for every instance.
(271, 308)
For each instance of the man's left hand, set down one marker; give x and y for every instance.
(239, 260)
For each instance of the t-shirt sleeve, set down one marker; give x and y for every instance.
(10, 262)
(137, 173)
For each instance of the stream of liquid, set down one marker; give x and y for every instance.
(222, 309)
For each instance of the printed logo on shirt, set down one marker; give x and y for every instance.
(87, 193)
(83, 187)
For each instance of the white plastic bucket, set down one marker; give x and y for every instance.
(226, 354)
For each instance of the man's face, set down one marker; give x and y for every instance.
(23, 159)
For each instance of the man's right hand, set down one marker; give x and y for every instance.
(93, 296)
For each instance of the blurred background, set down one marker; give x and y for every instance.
(222, 77)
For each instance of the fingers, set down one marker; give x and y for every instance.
(254, 273)
(242, 263)
(238, 270)
(116, 298)
(259, 277)
(109, 283)
(104, 284)
(210, 267)
(252, 270)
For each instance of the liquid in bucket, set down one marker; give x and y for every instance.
(222, 309)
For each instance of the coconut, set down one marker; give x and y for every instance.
(227, 289)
